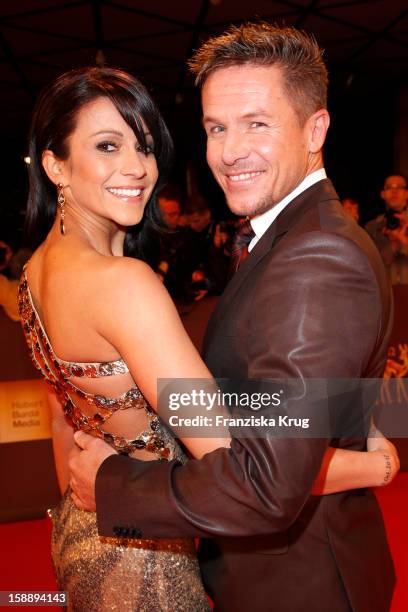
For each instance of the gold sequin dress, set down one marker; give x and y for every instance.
(110, 574)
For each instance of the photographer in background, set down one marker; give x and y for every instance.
(175, 265)
(211, 256)
(389, 231)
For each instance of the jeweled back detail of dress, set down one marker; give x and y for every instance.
(58, 372)
(100, 575)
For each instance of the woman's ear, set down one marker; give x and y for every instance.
(53, 167)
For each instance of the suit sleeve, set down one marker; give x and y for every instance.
(315, 313)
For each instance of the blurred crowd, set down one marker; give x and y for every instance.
(389, 230)
(194, 249)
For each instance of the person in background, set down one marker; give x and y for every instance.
(6, 254)
(210, 244)
(175, 264)
(352, 208)
(389, 230)
(170, 200)
(8, 286)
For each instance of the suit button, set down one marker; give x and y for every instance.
(135, 533)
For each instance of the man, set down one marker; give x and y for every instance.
(169, 199)
(176, 247)
(389, 230)
(210, 256)
(351, 207)
(310, 301)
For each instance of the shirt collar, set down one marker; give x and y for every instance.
(261, 222)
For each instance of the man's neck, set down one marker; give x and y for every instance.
(261, 222)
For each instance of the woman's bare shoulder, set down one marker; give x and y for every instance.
(127, 275)
(126, 284)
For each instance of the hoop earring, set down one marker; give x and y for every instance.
(61, 204)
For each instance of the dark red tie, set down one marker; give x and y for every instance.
(239, 250)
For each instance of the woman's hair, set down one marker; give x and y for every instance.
(54, 119)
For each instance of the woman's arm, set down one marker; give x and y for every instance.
(346, 469)
(154, 343)
(62, 440)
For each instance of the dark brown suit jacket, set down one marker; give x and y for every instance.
(311, 300)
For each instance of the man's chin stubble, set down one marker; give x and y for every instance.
(252, 210)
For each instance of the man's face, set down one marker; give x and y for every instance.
(395, 193)
(199, 220)
(351, 208)
(170, 211)
(256, 148)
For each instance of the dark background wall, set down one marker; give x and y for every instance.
(366, 49)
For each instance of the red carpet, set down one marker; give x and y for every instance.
(394, 504)
(25, 563)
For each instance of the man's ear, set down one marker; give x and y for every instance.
(318, 124)
(53, 167)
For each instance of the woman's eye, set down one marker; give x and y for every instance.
(147, 150)
(106, 146)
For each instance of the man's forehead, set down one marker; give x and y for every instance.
(168, 204)
(395, 180)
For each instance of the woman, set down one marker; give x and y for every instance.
(102, 328)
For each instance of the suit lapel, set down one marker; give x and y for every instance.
(313, 196)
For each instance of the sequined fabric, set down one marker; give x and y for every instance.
(57, 372)
(101, 575)
(136, 575)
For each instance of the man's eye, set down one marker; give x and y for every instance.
(216, 129)
(257, 124)
(106, 146)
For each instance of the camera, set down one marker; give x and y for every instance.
(392, 222)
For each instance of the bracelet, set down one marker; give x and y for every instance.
(388, 468)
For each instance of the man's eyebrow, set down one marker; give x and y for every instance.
(208, 119)
(256, 113)
(250, 115)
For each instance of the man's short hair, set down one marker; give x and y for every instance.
(263, 44)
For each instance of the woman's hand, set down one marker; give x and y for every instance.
(343, 469)
(387, 454)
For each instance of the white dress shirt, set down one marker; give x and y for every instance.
(261, 222)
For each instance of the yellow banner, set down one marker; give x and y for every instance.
(24, 413)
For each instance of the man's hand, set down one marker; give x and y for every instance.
(84, 462)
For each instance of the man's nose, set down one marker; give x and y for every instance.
(235, 147)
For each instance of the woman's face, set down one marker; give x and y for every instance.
(107, 174)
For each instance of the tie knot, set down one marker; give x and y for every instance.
(240, 243)
(244, 234)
